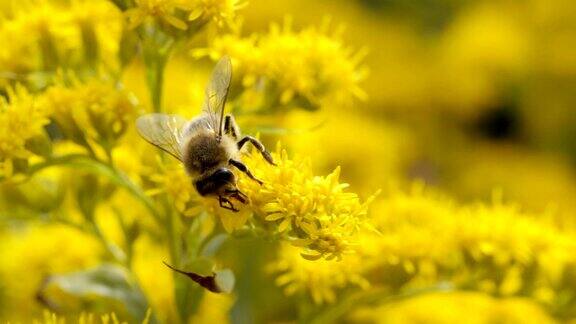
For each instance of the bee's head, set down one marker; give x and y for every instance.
(221, 182)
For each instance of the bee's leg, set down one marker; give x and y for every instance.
(230, 127)
(241, 196)
(242, 167)
(238, 195)
(230, 206)
(259, 146)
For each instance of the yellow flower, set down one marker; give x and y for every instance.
(164, 10)
(99, 25)
(454, 307)
(47, 34)
(92, 111)
(173, 180)
(85, 318)
(177, 13)
(493, 248)
(21, 120)
(308, 68)
(320, 279)
(313, 212)
(221, 12)
(56, 33)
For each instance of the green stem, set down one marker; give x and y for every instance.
(173, 237)
(155, 78)
(98, 167)
(114, 251)
(129, 236)
(156, 53)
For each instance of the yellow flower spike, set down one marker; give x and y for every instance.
(308, 68)
(177, 13)
(157, 9)
(497, 249)
(221, 12)
(310, 273)
(22, 120)
(92, 111)
(453, 306)
(172, 180)
(57, 32)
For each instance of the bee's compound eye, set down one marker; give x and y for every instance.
(214, 183)
(223, 176)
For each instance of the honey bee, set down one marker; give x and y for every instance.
(209, 144)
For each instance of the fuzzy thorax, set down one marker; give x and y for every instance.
(204, 152)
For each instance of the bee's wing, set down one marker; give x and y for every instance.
(216, 93)
(163, 131)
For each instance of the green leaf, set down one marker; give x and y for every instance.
(107, 284)
(115, 176)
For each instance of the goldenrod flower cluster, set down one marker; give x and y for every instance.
(92, 111)
(177, 13)
(173, 181)
(320, 280)
(40, 36)
(316, 213)
(22, 120)
(450, 307)
(429, 241)
(497, 249)
(308, 68)
(84, 318)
